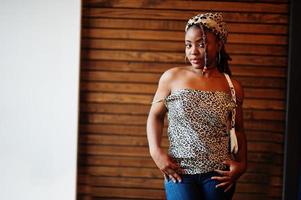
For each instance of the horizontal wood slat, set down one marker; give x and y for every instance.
(178, 36)
(252, 147)
(261, 82)
(192, 5)
(139, 88)
(259, 162)
(117, 44)
(109, 172)
(150, 14)
(152, 183)
(258, 125)
(177, 57)
(178, 25)
(153, 194)
(116, 67)
(142, 142)
(134, 109)
(102, 97)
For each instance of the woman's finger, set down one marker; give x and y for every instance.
(178, 168)
(170, 171)
(221, 178)
(174, 165)
(177, 177)
(223, 184)
(228, 188)
(221, 172)
(165, 172)
(174, 175)
(172, 178)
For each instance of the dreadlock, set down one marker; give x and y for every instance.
(222, 64)
(206, 49)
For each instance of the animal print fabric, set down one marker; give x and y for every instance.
(213, 21)
(198, 129)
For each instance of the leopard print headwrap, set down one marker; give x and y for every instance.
(212, 21)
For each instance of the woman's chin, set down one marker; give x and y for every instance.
(197, 66)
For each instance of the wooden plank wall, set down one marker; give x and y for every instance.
(126, 46)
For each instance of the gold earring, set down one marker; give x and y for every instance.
(185, 59)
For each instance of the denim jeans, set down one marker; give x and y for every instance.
(196, 187)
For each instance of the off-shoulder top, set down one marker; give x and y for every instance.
(198, 128)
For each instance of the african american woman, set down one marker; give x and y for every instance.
(207, 146)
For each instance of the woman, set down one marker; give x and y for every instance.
(202, 114)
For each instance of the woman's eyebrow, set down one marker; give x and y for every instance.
(198, 40)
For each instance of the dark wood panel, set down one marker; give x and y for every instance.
(151, 183)
(147, 14)
(156, 177)
(178, 57)
(121, 161)
(117, 44)
(102, 97)
(124, 182)
(178, 36)
(264, 125)
(125, 48)
(255, 125)
(192, 5)
(121, 76)
(269, 76)
(128, 192)
(139, 88)
(112, 129)
(269, 127)
(257, 160)
(121, 118)
(134, 109)
(179, 25)
(142, 142)
(118, 150)
(114, 73)
(259, 163)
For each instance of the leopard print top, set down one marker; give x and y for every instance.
(198, 124)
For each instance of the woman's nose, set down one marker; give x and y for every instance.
(194, 50)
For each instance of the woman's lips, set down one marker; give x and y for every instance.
(195, 61)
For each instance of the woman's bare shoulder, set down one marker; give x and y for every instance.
(165, 83)
(171, 74)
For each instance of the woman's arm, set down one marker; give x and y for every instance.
(239, 165)
(241, 155)
(155, 123)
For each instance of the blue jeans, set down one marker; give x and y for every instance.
(196, 187)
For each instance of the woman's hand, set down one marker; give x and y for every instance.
(228, 178)
(166, 165)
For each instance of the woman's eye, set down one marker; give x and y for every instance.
(201, 45)
(188, 46)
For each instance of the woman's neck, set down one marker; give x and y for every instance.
(208, 73)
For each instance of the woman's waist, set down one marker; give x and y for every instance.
(195, 166)
(199, 156)
(194, 144)
(181, 129)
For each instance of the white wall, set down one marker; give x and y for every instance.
(39, 80)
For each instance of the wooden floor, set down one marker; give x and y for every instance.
(128, 44)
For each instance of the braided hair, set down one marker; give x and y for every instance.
(223, 56)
